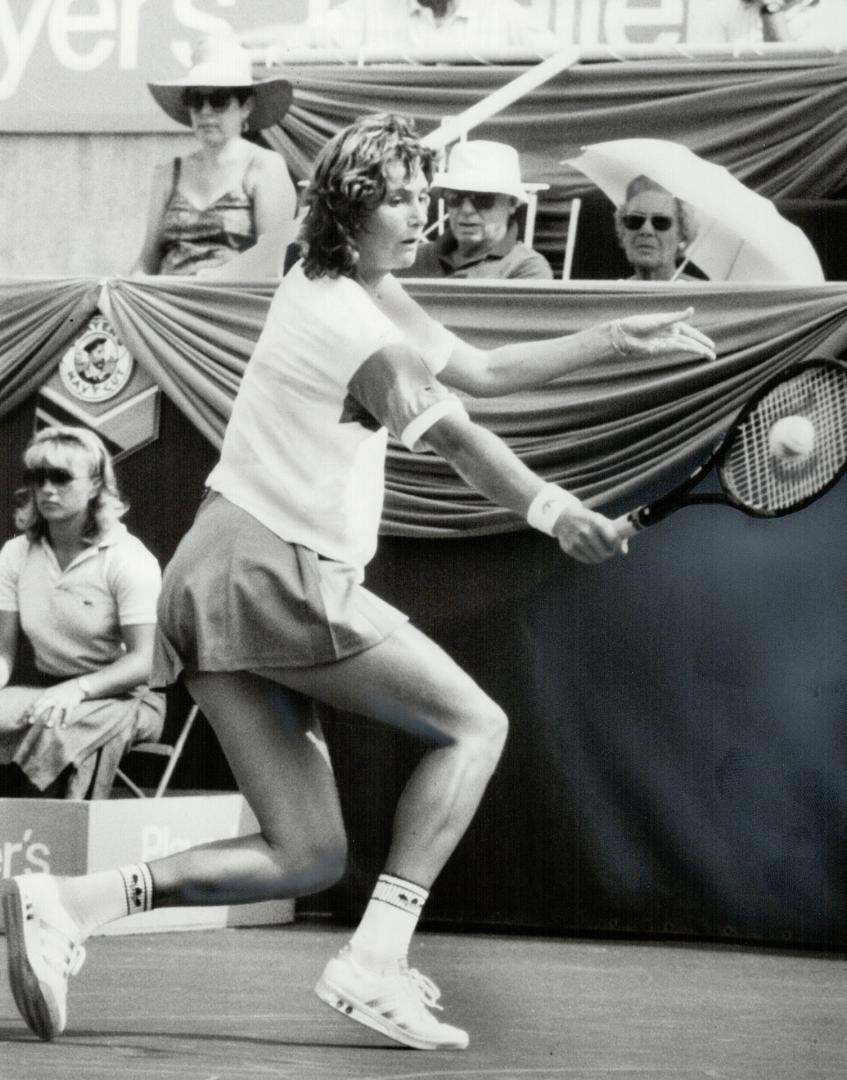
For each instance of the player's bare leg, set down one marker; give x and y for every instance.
(278, 757)
(409, 682)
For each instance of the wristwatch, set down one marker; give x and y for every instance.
(772, 7)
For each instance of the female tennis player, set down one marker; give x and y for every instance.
(263, 605)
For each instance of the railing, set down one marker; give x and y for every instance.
(272, 56)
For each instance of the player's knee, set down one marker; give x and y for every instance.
(320, 863)
(328, 867)
(497, 730)
(486, 735)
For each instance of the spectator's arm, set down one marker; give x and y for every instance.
(9, 632)
(274, 195)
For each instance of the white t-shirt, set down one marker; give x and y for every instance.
(304, 451)
(73, 617)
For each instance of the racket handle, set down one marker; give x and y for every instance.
(628, 525)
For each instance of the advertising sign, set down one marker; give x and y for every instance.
(622, 22)
(82, 65)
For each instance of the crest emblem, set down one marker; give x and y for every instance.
(97, 366)
(98, 384)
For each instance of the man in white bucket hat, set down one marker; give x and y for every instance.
(209, 206)
(483, 191)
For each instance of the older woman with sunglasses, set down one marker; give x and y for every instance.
(483, 193)
(655, 229)
(220, 200)
(83, 592)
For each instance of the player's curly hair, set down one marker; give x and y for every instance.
(50, 448)
(349, 183)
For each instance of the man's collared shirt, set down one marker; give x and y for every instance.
(508, 258)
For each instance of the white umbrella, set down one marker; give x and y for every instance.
(741, 235)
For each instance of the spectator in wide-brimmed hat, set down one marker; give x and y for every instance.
(219, 200)
(483, 191)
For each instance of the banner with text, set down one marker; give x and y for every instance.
(82, 65)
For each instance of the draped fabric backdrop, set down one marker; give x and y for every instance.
(779, 124)
(604, 431)
(678, 758)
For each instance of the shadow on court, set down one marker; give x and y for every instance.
(237, 1004)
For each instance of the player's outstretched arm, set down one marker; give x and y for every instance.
(531, 364)
(488, 465)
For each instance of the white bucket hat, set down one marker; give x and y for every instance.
(221, 60)
(480, 165)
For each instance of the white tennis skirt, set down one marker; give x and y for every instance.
(236, 597)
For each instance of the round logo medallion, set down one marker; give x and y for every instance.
(97, 366)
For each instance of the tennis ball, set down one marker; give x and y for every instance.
(792, 437)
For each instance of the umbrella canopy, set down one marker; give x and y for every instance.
(741, 235)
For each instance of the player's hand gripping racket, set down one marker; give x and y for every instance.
(786, 447)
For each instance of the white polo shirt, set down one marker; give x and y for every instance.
(304, 451)
(73, 617)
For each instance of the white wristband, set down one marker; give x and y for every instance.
(85, 687)
(548, 504)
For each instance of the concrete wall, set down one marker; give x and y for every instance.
(77, 204)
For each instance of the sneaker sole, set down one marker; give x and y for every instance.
(35, 1003)
(350, 1007)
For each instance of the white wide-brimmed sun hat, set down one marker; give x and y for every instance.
(480, 165)
(221, 60)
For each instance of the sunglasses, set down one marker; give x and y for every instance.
(660, 222)
(480, 200)
(218, 99)
(42, 475)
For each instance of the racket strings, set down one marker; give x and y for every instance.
(759, 480)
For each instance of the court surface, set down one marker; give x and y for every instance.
(237, 1005)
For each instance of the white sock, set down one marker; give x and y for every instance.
(99, 898)
(385, 932)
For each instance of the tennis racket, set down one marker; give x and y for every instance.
(758, 473)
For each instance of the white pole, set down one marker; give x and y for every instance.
(454, 127)
(570, 242)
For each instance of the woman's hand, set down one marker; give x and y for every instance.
(587, 536)
(55, 707)
(644, 337)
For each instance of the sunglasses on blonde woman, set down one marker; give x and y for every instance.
(42, 475)
(660, 222)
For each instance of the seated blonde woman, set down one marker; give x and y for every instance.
(655, 230)
(82, 591)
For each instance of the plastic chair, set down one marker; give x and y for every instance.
(171, 752)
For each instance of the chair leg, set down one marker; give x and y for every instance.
(131, 784)
(176, 752)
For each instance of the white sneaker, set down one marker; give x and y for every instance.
(395, 1002)
(44, 947)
